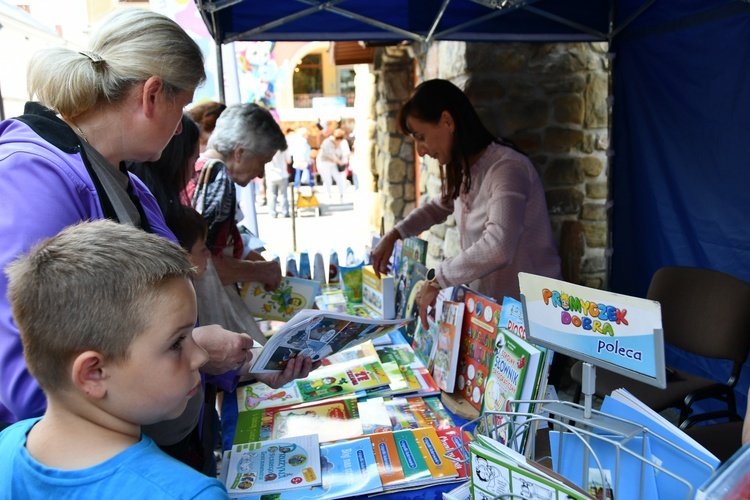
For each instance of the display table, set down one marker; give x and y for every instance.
(229, 412)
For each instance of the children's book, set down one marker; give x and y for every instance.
(420, 381)
(274, 466)
(417, 278)
(415, 467)
(413, 250)
(348, 469)
(358, 351)
(292, 295)
(332, 419)
(434, 452)
(374, 415)
(258, 396)
(388, 459)
(515, 365)
(675, 451)
(622, 474)
(478, 334)
(497, 470)
(318, 334)
(379, 294)
(329, 420)
(423, 342)
(342, 378)
(456, 446)
(511, 317)
(447, 344)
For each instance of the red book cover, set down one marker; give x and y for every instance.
(478, 334)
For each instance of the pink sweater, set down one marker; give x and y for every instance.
(502, 222)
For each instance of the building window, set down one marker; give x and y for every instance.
(307, 80)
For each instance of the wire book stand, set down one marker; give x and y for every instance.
(587, 425)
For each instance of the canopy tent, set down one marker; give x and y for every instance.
(681, 113)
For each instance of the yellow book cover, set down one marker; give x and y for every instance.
(433, 451)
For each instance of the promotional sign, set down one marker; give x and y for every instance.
(617, 332)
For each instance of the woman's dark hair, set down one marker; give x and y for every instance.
(168, 176)
(470, 136)
(187, 225)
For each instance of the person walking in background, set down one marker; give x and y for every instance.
(300, 151)
(277, 183)
(492, 190)
(331, 163)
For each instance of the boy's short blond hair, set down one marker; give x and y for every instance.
(88, 288)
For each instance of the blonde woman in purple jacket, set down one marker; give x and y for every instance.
(491, 189)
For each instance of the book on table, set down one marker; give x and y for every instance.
(513, 376)
(379, 294)
(273, 466)
(421, 383)
(318, 334)
(497, 470)
(413, 251)
(447, 344)
(293, 295)
(331, 419)
(478, 334)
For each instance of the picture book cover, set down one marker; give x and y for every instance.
(511, 317)
(318, 334)
(379, 294)
(342, 378)
(478, 334)
(415, 467)
(417, 278)
(413, 251)
(274, 466)
(358, 351)
(388, 459)
(447, 345)
(340, 415)
(515, 365)
(293, 295)
(348, 469)
(433, 451)
(374, 415)
(330, 420)
(258, 396)
(631, 470)
(676, 451)
(411, 367)
(497, 470)
(423, 342)
(456, 446)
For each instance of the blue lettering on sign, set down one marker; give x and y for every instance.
(616, 348)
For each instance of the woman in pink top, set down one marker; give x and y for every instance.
(492, 190)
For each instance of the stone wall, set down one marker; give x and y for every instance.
(549, 99)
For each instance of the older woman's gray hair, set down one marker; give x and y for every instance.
(249, 126)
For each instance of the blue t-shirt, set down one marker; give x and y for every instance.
(141, 471)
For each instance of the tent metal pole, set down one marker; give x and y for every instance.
(219, 58)
(437, 20)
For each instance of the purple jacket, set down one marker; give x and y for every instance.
(45, 186)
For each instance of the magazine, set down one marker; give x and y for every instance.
(318, 334)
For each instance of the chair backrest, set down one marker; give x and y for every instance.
(704, 312)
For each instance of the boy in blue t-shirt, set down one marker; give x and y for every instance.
(106, 313)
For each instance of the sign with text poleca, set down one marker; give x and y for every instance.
(617, 332)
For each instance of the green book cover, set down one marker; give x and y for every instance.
(413, 463)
